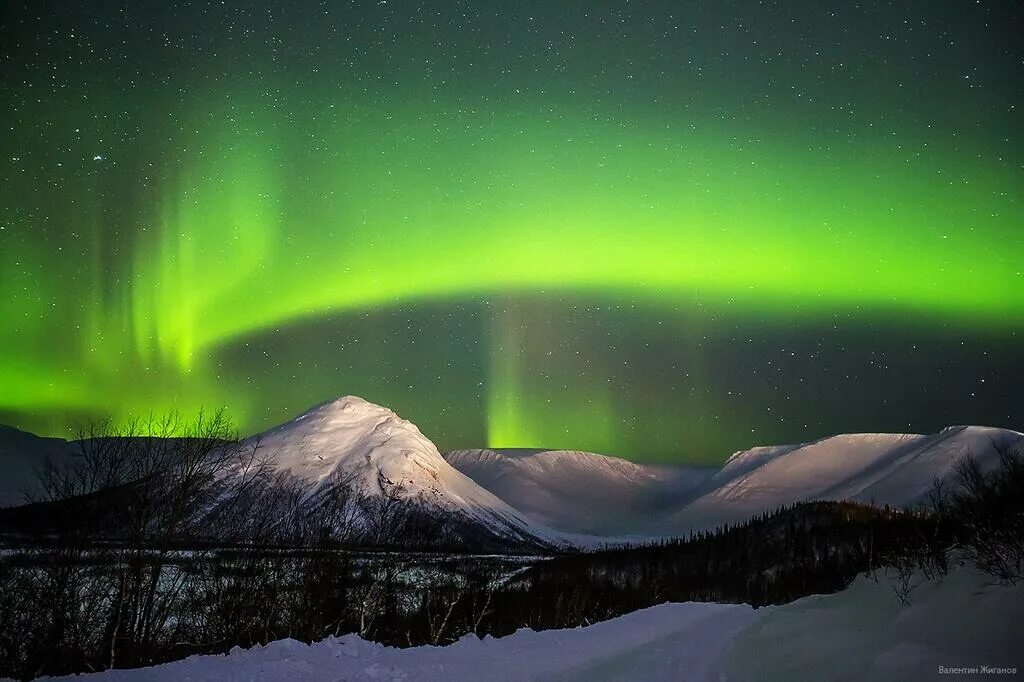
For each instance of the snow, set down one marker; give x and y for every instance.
(863, 633)
(357, 438)
(352, 434)
(671, 641)
(858, 634)
(893, 469)
(600, 495)
(563, 497)
(581, 492)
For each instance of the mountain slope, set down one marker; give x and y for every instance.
(894, 469)
(21, 453)
(600, 495)
(372, 448)
(580, 492)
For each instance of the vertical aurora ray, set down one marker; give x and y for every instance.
(213, 236)
(548, 383)
(507, 422)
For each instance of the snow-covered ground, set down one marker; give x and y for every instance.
(862, 633)
(671, 641)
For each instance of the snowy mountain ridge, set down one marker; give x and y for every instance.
(592, 493)
(874, 468)
(562, 497)
(580, 491)
(368, 445)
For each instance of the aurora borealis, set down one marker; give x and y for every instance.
(664, 231)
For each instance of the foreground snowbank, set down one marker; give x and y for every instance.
(671, 641)
(863, 633)
(860, 634)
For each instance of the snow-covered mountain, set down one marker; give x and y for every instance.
(372, 448)
(556, 497)
(876, 468)
(581, 492)
(600, 495)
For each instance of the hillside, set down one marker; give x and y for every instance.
(581, 492)
(879, 469)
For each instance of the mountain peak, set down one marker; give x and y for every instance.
(346, 406)
(350, 434)
(345, 402)
(366, 444)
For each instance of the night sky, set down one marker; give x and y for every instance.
(661, 230)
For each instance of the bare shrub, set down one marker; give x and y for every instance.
(988, 510)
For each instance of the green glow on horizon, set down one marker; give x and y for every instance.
(260, 229)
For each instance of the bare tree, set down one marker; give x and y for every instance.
(988, 509)
(135, 493)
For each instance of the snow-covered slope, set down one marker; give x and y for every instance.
(862, 633)
(894, 469)
(21, 454)
(666, 642)
(581, 492)
(370, 444)
(589, 493)
(962, 620)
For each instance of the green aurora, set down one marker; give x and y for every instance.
(152, 271)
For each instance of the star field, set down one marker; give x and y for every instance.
(664, 231)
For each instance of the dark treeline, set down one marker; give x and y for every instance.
(806, 548)
(180, 559)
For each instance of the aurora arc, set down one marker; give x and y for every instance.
(415, 210)
(435, 215)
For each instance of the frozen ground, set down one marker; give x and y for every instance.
(860, 634)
